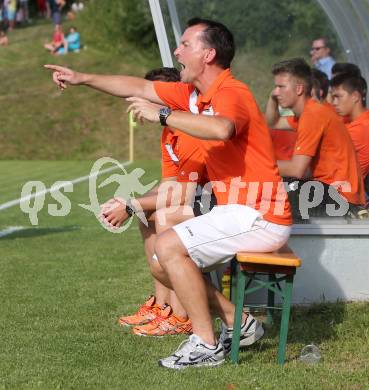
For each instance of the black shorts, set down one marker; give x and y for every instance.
(204, 203)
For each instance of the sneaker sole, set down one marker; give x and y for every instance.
(182, 367)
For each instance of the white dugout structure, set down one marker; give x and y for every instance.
(334, 251)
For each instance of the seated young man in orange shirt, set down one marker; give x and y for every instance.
(349, 99)
(252, 211)
(323, 150)
(183, 166)
(283, 128)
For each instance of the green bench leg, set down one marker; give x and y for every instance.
(269, 319)
(285, 319)
(240, 296)
(234, 271)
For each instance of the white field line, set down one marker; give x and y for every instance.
(15, 202)
(10, 230)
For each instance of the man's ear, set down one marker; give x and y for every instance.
(210, 55)
(356, 97)
(300, 89)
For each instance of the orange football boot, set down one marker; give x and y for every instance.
(166, 323)
(146, 313)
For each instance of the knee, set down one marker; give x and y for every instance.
(156, 269)
(168, 246)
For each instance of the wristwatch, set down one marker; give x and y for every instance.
(129, 208)
(163, 115)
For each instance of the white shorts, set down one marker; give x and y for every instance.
(214, 238)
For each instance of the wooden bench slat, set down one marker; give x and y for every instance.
(284, 256)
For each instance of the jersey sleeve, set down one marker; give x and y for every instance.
(168, 167)
(293, 121)
(174, 94)
(309, 133)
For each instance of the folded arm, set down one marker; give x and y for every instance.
(272, 116)
(200, 126)
(297, 167)
(169, 193)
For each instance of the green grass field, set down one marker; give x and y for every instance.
(65, 282)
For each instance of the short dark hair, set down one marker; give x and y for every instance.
(346, 67)
(351, 84)
(325, 41)
(298, 68)
(320, 82)
(163, 74)
(217, 36)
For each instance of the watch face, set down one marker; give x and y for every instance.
(164, 111)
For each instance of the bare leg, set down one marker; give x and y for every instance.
(148, 234)
(178, 271)
(165, 219)
(187, 281)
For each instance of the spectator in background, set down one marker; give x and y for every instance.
(57, 41)
(23, 8)
(77, 6)
(42, 8)
(74, 9)
(320, 56)
(349, 99)
(3, 39)
(55, 10)
(72, 42)
(10, 10)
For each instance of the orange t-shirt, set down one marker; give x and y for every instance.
(323, 136)
(242, 169)
(293, 121)
(359, 132)
(182, 157)
(284, 143)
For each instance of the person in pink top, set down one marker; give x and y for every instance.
(57, 41)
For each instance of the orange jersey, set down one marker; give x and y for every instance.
(293, 121)
(359, 132)
(242, 169)
(284, 143)
(182, 157)
(322, 135)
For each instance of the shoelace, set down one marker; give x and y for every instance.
(144, 309)
(158, 319)
(185, 346)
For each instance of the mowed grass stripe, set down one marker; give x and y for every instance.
(14, 216)
(12, 172)
(48, 173)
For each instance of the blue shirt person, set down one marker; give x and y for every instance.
(320, 56)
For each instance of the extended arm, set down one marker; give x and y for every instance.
(121, 86)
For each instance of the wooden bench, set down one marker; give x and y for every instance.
(279, 266)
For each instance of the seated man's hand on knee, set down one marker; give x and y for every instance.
(113, 213)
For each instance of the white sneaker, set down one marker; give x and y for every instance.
(251, 331)
(194, 353)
